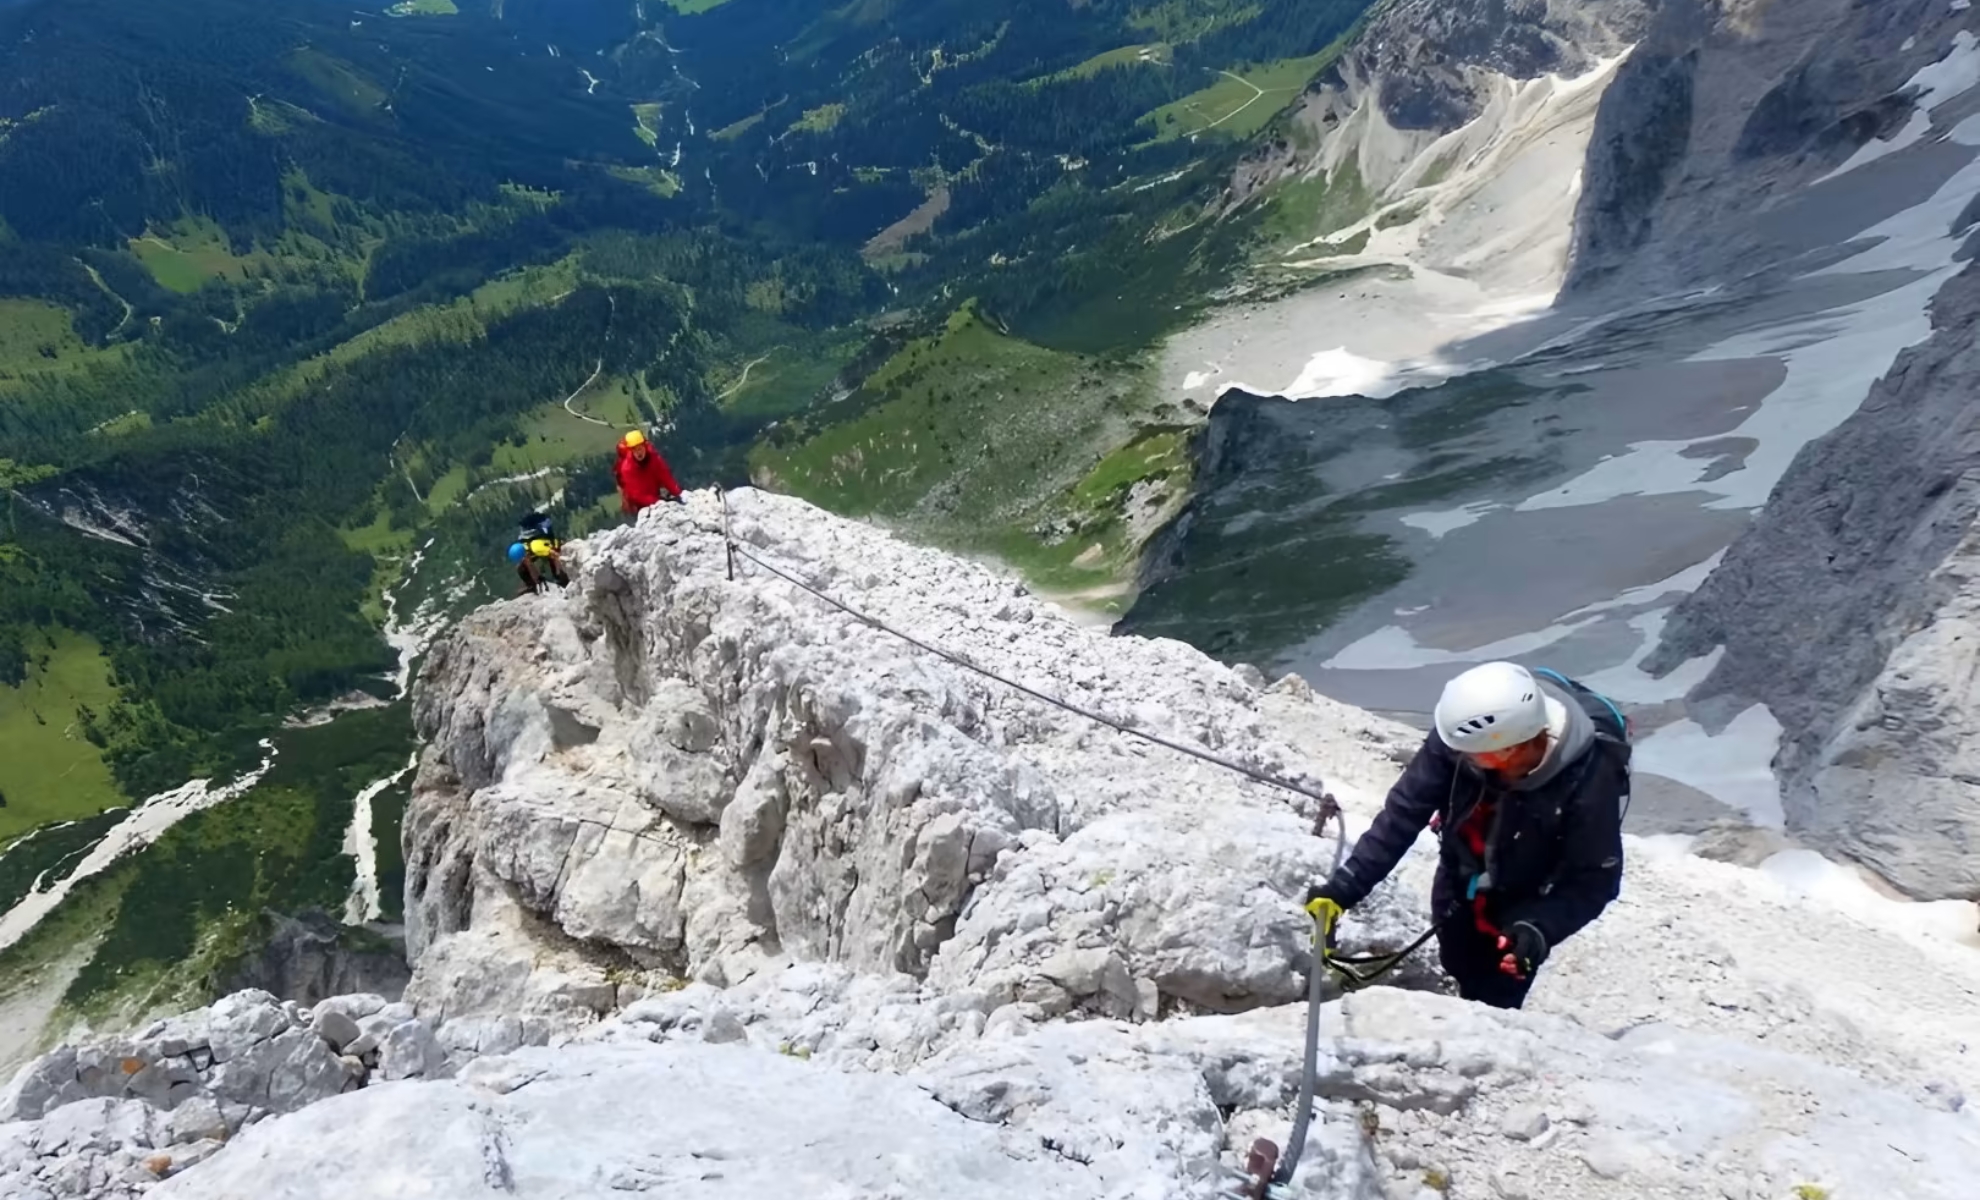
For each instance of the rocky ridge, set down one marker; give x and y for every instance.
(783, 781)
(1848, 611)
(1427, 68)
(631, 1010)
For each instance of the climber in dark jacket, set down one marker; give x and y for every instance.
(1525, 782)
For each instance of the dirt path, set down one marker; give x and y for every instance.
(97, 279)
(1257, 94)
(595, 371)
(737, 386)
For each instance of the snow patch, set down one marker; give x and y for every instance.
(1832, 360)
(1734, 767)
(1340, 372)
(361, 843)
(1441, 522)
(1629, 683)
(1954, 75)
(1393, 648)
(145, 825)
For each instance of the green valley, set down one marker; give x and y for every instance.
(54, 772)
(333, 294)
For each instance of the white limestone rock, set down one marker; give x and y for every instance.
(689, 1121)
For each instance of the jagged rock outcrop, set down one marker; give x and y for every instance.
(1426, 68)
(670, 771)
(1847, 610)
(1431, 62)
(248, 1054)
(309, 958)
(107, 1119)
(1414, 1090)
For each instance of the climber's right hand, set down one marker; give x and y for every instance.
(1322, 906)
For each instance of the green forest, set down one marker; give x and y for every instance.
(290, 293)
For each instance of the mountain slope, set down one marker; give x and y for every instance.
(1419, 196)
(703, 865)
(345, 290)
(1843, 609)
(317, 196)
(1767, 251)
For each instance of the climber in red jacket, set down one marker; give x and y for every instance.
(642, 474)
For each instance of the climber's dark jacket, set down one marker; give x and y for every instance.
(1554, 848)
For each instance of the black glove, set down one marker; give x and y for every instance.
(1524, 948)
(1319, 890)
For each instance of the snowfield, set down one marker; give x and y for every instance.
(716, 891)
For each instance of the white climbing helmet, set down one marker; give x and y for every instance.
(1491, 707)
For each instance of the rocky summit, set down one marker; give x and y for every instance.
(717, 889)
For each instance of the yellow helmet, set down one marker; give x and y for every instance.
(633, 438)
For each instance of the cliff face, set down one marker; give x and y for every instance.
(1427, 68)
(309, 959)
(1431, 61)
(1848, 608)
(1724, 111)
(1748, 145)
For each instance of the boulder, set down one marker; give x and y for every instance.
(337, 1029)
(411, 1051)
(686, 1120)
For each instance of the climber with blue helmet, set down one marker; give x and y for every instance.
(1525, 778)
(538, 554)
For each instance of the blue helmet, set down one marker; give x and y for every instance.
(516, 552)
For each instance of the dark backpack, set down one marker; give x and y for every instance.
(537, 525)
(1609, 719)
(1611, 726)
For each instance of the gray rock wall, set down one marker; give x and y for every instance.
(1866, 548)
(1427, 57)
(1725, 107)
(310, 957)
(1702, 171)
(1431, 66)
(668, 772)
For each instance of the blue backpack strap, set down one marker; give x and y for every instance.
(1620, 741)
(1622, 722)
